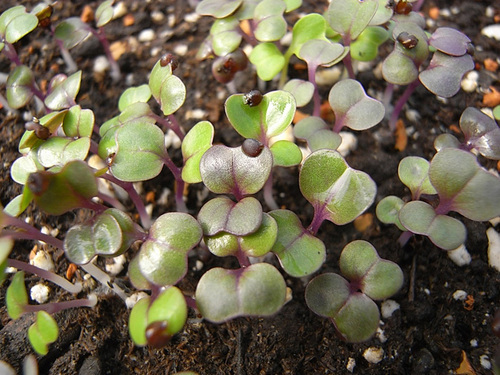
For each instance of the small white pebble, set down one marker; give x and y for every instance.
(132, 300)
(455, 10)
(351, 363)
(412, 115)
(373, 354)
(199, 265)
(445, 12)
(349, 143)
(117, 266)
(163, 200)
(495, 221)
(381, 335)
(101, 64)
(460, 256)
(171, 139)
(147, 35)
(490, 12)
(196, 114)
(388, 307)
(427, 291)
(493, 248)
(485, 362)
(287, 39)
(171, 20)
(329, 76)
(157, 16)
(492, 31)
(40, 293)
(473, 343)
(191, 17)
(149, 209)
(42, 260)
(469, 83)
(181, 49)
(119, 10)
(460, 295)
(155, 51)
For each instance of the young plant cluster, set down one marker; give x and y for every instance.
(57, 177)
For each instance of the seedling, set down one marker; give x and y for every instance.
(461, 184)
(349, 303)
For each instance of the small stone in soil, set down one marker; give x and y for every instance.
(373, 355)
(388, 307)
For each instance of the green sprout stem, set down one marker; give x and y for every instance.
(104, 279)
(47, 275)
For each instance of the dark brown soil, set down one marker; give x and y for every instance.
(429, 333)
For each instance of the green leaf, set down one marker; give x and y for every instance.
(163, 256)
(133, 95)
(78, 122)
(444, 231)
(464, 185)
(358, 319)
(448, 71)
(57, 151)
(321, 52)
(268, 119)
(326, 294)
(286, 153)
(138, 321)
(227, 170)
(353, 108)
(51, 121)
(301, 90)
(221, 214)
(57, 193)
(218, 8)
(365, 48)
(6, 245)
(168, 90)
(16, 297)
(43, 332)
(388, 211)
(336, 191)
(196, 142)
(311, 26)
(72, 31)
(24, 166)
(225, 35)
(64, 92)
(104, 13)
(299, 252)
(413, 171)
(350, 17)
(317, 134)
(268, 60)
(257, 290)
(269, 21)
(19, 86)
(139, 144)
(79, 244)
(481, 132)
(169, 306)
(16, 23)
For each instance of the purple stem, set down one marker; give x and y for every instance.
(29, 232)
(103, 278)
(311, 70)
(11, 53)
(242, 259)
(112, 201)
(404, 238)
(417, 5)
(191, 302)
(169, 123)
(55, 307)
(134, 197)
(347, 59)
(47, 275)
(268, 193)
(317, 220)
(115, 68)
(398, 107)
(179, 183)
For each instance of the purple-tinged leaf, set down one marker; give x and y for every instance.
(481, 133)
(450, 41)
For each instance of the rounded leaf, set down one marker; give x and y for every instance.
(196, 142)
(217, 8)
(225, 35)
(358, 319)
(168, 90)
(299, 252)
(79, 244)
(388, 211)
(268, 119)
(268, 17)
(286, 153)
(221, 214)
(413, 171)
(301, 90)
(257, 290)
(268, 60)
(226, 170)
(350, 17)
(450, 41)
(15, 23)
(132, 95)
(169, 306)
(356, 259)
(481, 132)
(353, 108)
(326, 294)
(16, 297)
(63, 93)
(138, 321)
(19, 84)
(383, 280)
(337, 192)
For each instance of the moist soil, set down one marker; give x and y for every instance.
(431, 332)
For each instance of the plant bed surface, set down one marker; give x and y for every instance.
(430, 333)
